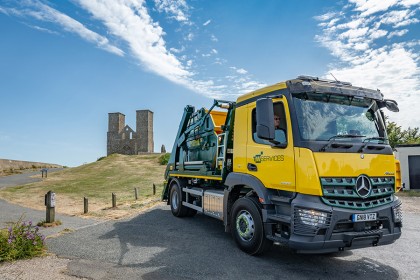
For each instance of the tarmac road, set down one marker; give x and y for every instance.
(22, 179)
(156, 245)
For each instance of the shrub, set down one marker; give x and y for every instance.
(20, 241)
(163, 159)
(101, 158)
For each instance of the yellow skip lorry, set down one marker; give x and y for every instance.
(304, 163)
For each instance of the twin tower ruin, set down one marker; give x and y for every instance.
(124, 140)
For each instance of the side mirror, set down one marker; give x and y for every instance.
(391, 105)
(265, 119)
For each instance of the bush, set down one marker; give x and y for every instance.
(101, 158)
(21, 241)
(163, 159)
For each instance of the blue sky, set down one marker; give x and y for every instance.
(64, 65)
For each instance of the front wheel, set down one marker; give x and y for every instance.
(247, 227)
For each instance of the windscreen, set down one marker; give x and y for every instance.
(322, 117)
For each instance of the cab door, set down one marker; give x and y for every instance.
(273, 166)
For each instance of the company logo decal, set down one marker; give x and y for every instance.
(258, 158)
(363, 186)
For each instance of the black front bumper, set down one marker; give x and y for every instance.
(339, 233)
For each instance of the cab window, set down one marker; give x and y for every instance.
(279, 122)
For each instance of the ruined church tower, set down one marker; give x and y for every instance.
(144, 127)
(122, 139)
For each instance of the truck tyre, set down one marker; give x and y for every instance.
(176, 197)
(247, 227)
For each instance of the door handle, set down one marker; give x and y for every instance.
(252, 167)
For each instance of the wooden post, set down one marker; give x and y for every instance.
(114, 200)
(154, 189)
(136, 193)
(85, 205)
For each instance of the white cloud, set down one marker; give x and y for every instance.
(399, 18)
(376, 34)
(409, 3)
(45, 13)
(207, 22)
(369, 7)
(129, 20)
(175, 50)
(213, 38)
(398, 33)
(46, 30)
(242, 71)
(190, 36)
(214, 51)
(176, 9)
(365, 59)
(354, 34)
(326, 16)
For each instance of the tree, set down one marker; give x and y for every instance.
(399, 136)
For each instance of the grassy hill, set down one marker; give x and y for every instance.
(117, 174)
(8, 166)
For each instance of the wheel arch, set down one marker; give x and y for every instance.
(167, 190)
(235, 182)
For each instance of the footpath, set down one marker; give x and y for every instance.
(11, 212)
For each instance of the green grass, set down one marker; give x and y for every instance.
(118, 174)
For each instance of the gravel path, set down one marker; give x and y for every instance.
(12, 213)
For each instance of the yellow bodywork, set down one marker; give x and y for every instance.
(219, 119)
(298, 169)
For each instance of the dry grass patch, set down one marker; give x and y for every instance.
(97, 181)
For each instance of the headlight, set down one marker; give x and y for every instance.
(311, 217)
(398, 215)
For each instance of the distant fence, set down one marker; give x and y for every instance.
(8, 166)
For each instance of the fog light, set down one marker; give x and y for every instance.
(398, 215)
(311, 217)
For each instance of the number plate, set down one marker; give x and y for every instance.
(364, 217)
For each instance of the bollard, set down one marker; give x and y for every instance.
(50, 207)
(154, 189)
(85, 205)
(136, 193)
(114, 200)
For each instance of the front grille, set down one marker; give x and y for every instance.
(340, 192)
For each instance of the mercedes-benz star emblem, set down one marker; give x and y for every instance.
(363, 186)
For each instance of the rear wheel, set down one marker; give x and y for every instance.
(247, 227)
(176, 196)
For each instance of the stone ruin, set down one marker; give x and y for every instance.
(122, 139)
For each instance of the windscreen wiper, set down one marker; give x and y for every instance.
(340, 145)
(346, 136)
(367, 141)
